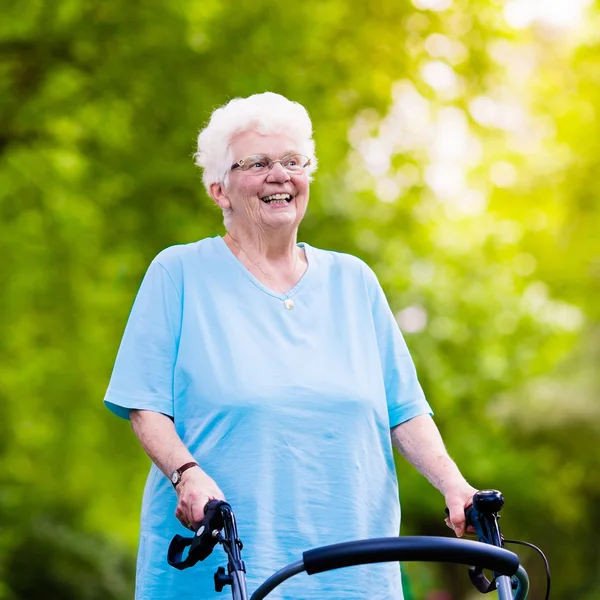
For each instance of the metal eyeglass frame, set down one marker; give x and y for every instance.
(270, 164)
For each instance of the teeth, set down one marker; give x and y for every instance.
(277, 198)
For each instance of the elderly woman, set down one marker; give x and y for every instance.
(273, 374)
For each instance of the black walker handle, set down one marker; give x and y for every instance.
(202, 543)
(483, 516)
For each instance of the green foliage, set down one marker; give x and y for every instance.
(63, 562)
(458, 156)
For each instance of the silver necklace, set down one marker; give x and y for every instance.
(287, 302)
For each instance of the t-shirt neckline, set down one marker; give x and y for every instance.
(261, 286)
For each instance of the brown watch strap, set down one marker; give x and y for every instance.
(183, 468)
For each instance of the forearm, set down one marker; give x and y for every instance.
(420, 442)
(162, 444)
(157, 435)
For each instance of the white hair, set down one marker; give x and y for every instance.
(266, 113)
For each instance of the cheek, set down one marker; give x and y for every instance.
(302, 186)
(249, 188)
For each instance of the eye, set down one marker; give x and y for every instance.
(291, 161)
(259, 163)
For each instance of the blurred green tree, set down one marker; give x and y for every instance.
(458, 155)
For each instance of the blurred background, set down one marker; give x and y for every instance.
(459, 145)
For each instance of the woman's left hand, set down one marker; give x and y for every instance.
(457, 500)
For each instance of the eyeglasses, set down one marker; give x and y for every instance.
(260, 164)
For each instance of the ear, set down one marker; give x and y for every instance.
(218, 193)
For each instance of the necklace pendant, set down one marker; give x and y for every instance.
(288, 303)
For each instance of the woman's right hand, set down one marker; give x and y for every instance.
(194, 490)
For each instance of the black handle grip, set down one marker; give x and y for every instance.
(488, 502)
(405, 549)
(483, 517)
(202, 543)
(486, 505)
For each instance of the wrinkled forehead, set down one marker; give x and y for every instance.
(275, 145)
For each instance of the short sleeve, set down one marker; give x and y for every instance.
(405, 397)
(142, 376)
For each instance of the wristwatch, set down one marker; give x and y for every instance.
(176, 476)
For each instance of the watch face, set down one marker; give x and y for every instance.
(175, 477)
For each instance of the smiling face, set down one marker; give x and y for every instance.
(250, 195)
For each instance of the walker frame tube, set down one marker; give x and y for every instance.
(406, 549)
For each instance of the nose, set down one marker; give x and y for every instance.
(278, 174)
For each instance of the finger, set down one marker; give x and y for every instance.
(459, 526)
(457, 519)
(184, 522)
(450, 525)
(197, 510)
(182, 515)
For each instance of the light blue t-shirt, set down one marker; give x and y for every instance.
(289, 411)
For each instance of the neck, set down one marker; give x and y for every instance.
(258, 246)
(279, 265)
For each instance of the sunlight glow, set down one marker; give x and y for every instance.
(413, 127)
(560, 14)
(412, 319)
(441, 77)
(436, 5)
